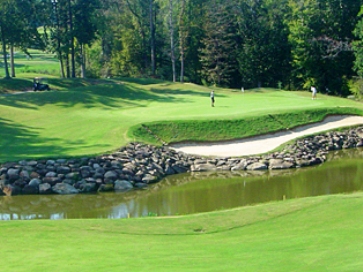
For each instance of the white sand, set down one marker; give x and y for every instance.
(266, 143)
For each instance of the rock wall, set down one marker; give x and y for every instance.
(137, 165)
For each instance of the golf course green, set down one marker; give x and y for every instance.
(97, 117)
(85, 118)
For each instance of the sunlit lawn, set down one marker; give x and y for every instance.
(310, 234)
(95, 119)
(81, 118)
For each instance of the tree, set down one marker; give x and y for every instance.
(319, 29)
(264, 52)
(358, 45)
(217, 54)
(17, 28)
(172, 43)
(182, 37)
(85, 27)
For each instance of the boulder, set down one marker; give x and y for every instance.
(88, 187)
(257, 166)
(149, 178)
(240, 166)
(110, 176)
(123, 185)
(203, 167)
(45, 188)
(30, 190)
(280, 164)
(64, 189)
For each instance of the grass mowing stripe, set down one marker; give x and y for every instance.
(310, 234)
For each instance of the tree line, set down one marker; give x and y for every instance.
(290, 44)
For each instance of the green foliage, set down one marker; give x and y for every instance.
(264, 50)
(320, 33)
(217, 54)
(358, 45)
(356, 87)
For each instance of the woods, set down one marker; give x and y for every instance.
(272, 43)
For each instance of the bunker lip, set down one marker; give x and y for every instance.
(266, 143)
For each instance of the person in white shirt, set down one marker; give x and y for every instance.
(314, 91)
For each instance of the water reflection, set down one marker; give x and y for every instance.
(198, 192)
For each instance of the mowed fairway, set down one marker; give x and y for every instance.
(95, 119)
(310, 234)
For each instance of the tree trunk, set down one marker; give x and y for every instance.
(12, 62)
(61, 65)
(7, 76)
(182, 36)
(68, 68)
(152, 37)
(172, 47)
(71, 40)
(83, 62)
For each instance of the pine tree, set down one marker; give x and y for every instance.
(219, 45)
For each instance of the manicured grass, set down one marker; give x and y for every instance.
(309, 234)
(40, 63)
(86, 117)
(221, 130)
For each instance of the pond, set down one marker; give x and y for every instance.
(197, 192)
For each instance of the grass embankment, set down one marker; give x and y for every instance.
(222, 130)
(310, 234)
(87, 117)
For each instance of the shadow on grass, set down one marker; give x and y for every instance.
(15, 84)
(20, 142)
(143, 81)
(184, 92)
(110, 95)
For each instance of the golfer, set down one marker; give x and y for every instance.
(314, 91)
(212, 98)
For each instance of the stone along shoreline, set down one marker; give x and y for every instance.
(137, 165)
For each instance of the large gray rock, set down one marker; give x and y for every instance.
(13, 174)
(123, 185)
(179, 169)
(63, 170)
(149, 178)
(240, 166)
(64, 189)
(45, 188)
(110, 176)
(87, 187)
(34, 182)
(257, 166)
(203, 167)
(30, 190)
(280, 164)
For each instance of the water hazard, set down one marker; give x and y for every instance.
(195, 193)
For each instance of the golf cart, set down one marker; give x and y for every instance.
(38, 85)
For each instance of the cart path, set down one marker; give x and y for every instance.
(265, 143)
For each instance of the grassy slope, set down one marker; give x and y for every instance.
(93, 117)
(310, 234)
(230, 129)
